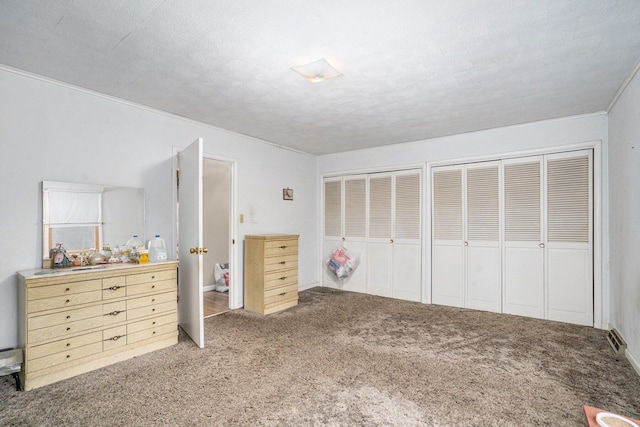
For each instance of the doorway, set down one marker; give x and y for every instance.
(216, 206)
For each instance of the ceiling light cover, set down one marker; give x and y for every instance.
(317, 71)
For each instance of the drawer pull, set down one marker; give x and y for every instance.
(68, 317)
(154, 322)
(153, 286)
(154, 332)
(68, 356)
(283, 277)
(153, 309)
(67, 290)
(282, 247)
(68, 301)
(283, 262)
(114, 313)
(116, 337)
(153, 300)
(153, 277)
(115, 288)
(283, 293)
(68, 344)
(68, 329)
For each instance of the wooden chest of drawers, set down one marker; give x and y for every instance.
(270, 272)
(73, 322)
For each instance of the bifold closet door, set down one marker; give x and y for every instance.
(466, 236)
(407, 236)
(482, 237)
(345, 224)
(447, 265)
(380, 234)
(523, 237)
(569, 242)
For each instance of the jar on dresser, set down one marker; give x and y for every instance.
(77, 320)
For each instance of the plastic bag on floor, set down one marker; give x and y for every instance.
(342, 262)
(221, 277)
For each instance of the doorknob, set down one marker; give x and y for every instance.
(466, 243)
(541, 245)
(193, 250)
(198, 250)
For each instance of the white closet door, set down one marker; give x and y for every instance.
(482, 244)
(407, 246)
(380, 235)
(332, 225)
(569, 238)
(447, 264)
(523, 231)
(355, 229)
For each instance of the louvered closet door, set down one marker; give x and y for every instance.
(447, 264)
(523, 237)
(407, 243)
(482, 243)
(355, 229)
(569, 240)
(332, 225)
(380, 234)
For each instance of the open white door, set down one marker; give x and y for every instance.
(190, 226)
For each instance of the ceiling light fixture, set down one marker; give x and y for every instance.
(317, 71)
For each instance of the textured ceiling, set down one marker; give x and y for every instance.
(413, 69)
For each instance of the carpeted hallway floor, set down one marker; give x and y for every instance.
(348, 359)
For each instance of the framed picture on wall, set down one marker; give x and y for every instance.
(287, 194)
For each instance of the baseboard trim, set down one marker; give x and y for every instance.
(308, 286)
(632, 360)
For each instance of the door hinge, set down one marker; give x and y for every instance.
(177, 173)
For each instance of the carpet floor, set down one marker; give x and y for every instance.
(349, 359)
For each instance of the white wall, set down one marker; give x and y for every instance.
(493, 142)
(624, 187)
(54, 132)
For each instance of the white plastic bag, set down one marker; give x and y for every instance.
(221, 277)
(342, 262)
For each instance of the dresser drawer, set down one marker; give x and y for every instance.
(38, 292)
(280, 305)
(114, 287)
(152, 299)
(114, 312)
(151, 310)
(144, 288)
(114, 337)
(70, 343)
(64, 301)
(150, 333)
(38, 322)
(280, 247)
(280, 278)
(280, 262)
(136, 279)
(65, 356)
(60, 331)
(152, 323)
(280, 294)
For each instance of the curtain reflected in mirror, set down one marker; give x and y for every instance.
(85, 217)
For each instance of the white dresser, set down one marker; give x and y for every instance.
(72, 322)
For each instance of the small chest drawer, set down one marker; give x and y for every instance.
(63, 345)
(65, 356)
(280, 247)
(144, 288)
(155, 276)
(151, 333)
(280, 278)
(114, 287)
(280, 262)
(150, 310)
(280, 294)
(64, 301)
(69, 288)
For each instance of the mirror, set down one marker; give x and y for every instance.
(85, 216)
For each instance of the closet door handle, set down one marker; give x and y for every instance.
(466, 243)
(541, 245)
